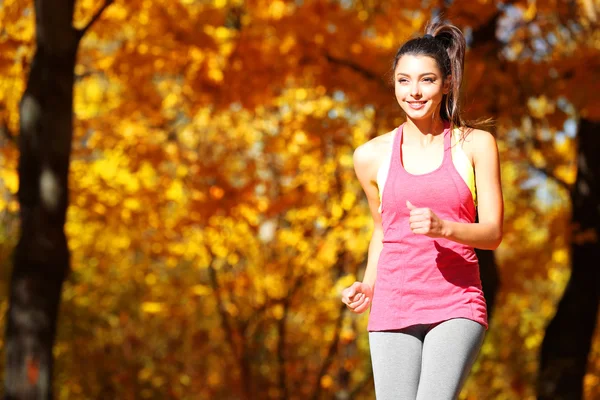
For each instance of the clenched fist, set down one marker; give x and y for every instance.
(357, 297)
(424, 221)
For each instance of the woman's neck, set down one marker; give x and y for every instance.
(425, 131)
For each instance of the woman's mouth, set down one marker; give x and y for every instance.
(416, 105)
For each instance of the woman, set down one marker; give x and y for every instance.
(425, 182)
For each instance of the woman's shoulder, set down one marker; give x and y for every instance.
(475, 140)
(374, 149)
(369, 156)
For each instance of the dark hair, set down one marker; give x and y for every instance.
(446, 44)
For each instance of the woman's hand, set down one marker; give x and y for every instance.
(357, 297)
(423, 221)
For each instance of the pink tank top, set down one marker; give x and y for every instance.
(422, 280)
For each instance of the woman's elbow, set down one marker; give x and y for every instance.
(496, 239)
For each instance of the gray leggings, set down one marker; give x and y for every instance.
(424, 362)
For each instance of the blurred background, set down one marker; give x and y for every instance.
(214, 213)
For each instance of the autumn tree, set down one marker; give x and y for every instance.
(41, 258)
(568, 339)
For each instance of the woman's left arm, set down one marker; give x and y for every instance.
(487, 233)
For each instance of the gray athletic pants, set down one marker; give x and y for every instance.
(424, 362)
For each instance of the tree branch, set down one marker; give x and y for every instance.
(225, 325)
(331, 352)
(281, 329)
(82, 31)
(550, 174)
(238, 351)
(333, 346)
(87, 74)
(362, 384)
(486, 33)
(355, 67)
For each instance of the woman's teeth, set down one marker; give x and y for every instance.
(416, 105)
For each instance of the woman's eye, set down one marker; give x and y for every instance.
(403, 80)
(428, 79)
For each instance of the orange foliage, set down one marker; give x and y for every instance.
(215, 216)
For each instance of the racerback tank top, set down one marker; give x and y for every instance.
(423, 280)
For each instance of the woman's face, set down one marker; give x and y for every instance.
(419, 86)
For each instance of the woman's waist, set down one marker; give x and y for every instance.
(398, 220)
(437, 253)
(426, 273)
(421, 263)
(421, 243)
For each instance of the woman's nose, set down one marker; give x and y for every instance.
(415, 91)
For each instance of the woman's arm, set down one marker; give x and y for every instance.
(487, 233)
(375, 247)
(359, 295)
(366, 166)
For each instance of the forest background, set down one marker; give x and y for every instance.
(215, 217)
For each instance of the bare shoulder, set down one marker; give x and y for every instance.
(368, 156)
(477, 142)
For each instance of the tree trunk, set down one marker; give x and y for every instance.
(41, 258)
(566, 345)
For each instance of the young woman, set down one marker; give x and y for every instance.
(425, 182)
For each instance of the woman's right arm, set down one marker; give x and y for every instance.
(366, 166)
(358, 296)
(375, 247)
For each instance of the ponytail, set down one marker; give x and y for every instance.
(453, 42)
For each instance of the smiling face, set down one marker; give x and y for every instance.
(419, 86)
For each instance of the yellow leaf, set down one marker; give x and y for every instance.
(151, 307)
(348, 200)
(145, 373)
(560, 256)
(277, 9)
(531, 11)
(201, 290)
(175, 191)
(326, 382)
(336, 211)
(132, 204)
(150, 279)
(10, 180)
(278, 311)
(185, 380)
(347, 335)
